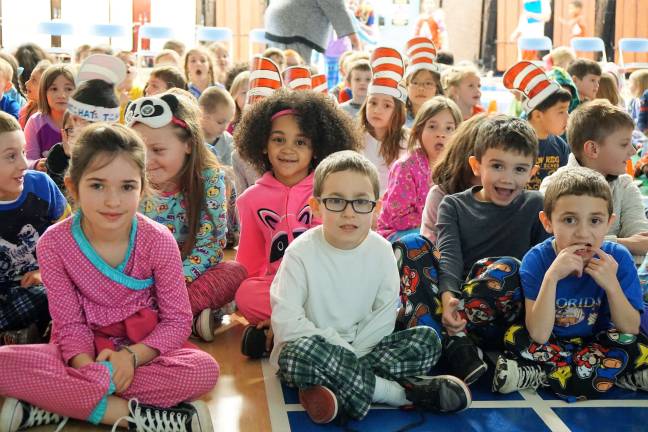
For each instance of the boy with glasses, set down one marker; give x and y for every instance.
(334, 304)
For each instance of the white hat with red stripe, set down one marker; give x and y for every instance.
(387, 68)
(319, 83)
(421, 54)
(265, 79)
(297, 78)
(531, 80)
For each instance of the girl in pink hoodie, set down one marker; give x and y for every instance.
(285, 136)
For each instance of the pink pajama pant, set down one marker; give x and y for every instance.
(253, 298)
(216, 287)
(38, 375)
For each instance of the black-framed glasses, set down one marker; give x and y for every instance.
(338, 205)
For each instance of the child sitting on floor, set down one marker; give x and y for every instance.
(334, 308)
(582, 300)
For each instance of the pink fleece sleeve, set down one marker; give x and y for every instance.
(71, 329)
(428, 222)
(399, 204)
(252, 248)
(174, 309)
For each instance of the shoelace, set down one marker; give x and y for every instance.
(530, 377)
(636, 380)
(153, 420)
(40, 417)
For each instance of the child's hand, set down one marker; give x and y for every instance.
(567, 263)
(40, 165)
(30, 279)
(450, 318)
(603, 270)
(123, 370)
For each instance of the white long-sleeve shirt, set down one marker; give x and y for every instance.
(349, 297)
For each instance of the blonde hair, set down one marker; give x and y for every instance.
(210, 61)
(640, 80)
(213, 98)
(6, 70)
(562, 56)
(239, 82)
(452, 76)
(428, 110)
(8, 123)
(168, 52)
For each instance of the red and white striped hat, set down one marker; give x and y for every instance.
(297, 78)
(265, 79)
(421, 54)
(319, 83)
(387, 68)
(531, 80)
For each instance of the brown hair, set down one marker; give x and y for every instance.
(608, 89)
(213, 98)
(8, 123)
(48, 77)
(360, 65)
(507, 133)
(168, 52)
(581, 67)
(577, 181)
(210, 61)
(595, 121)
(190, 178)
(170, 75)
(345, 160)
(101, 143)
(452, 173)
(428, 110)
(175, 45)
(391, 144)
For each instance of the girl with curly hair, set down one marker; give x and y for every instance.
(284, 136)
(382, 116)
(189, 200)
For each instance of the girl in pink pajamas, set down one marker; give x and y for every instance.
(410, 176)
(119, 306)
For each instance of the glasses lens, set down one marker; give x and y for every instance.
(363, 206)
(335, 204)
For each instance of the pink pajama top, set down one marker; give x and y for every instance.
(85, 293)
(407, 187)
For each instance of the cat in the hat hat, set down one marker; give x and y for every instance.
(547, 108)
(422, 76)
(382, 117)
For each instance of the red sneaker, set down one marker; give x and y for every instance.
(320, 403)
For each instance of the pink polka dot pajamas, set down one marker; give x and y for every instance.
(86, 294)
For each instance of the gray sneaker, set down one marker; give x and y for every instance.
(510, 376)
(634, 381)
(204, 325)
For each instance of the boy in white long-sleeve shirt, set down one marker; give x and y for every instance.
(334, 303)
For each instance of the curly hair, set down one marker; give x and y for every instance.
(329, 128)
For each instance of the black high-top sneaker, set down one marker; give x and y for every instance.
(463, 358)
(185, 417)
(512, 376)
(17, 415)
(438, 394)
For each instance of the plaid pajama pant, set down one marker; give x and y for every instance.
(20, 307)
(310, 361)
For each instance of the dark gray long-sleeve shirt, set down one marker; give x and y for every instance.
(307, 21)
(469, 230)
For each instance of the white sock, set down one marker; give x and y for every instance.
(389, 392)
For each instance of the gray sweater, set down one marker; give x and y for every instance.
(469, 230)
(307, 21)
